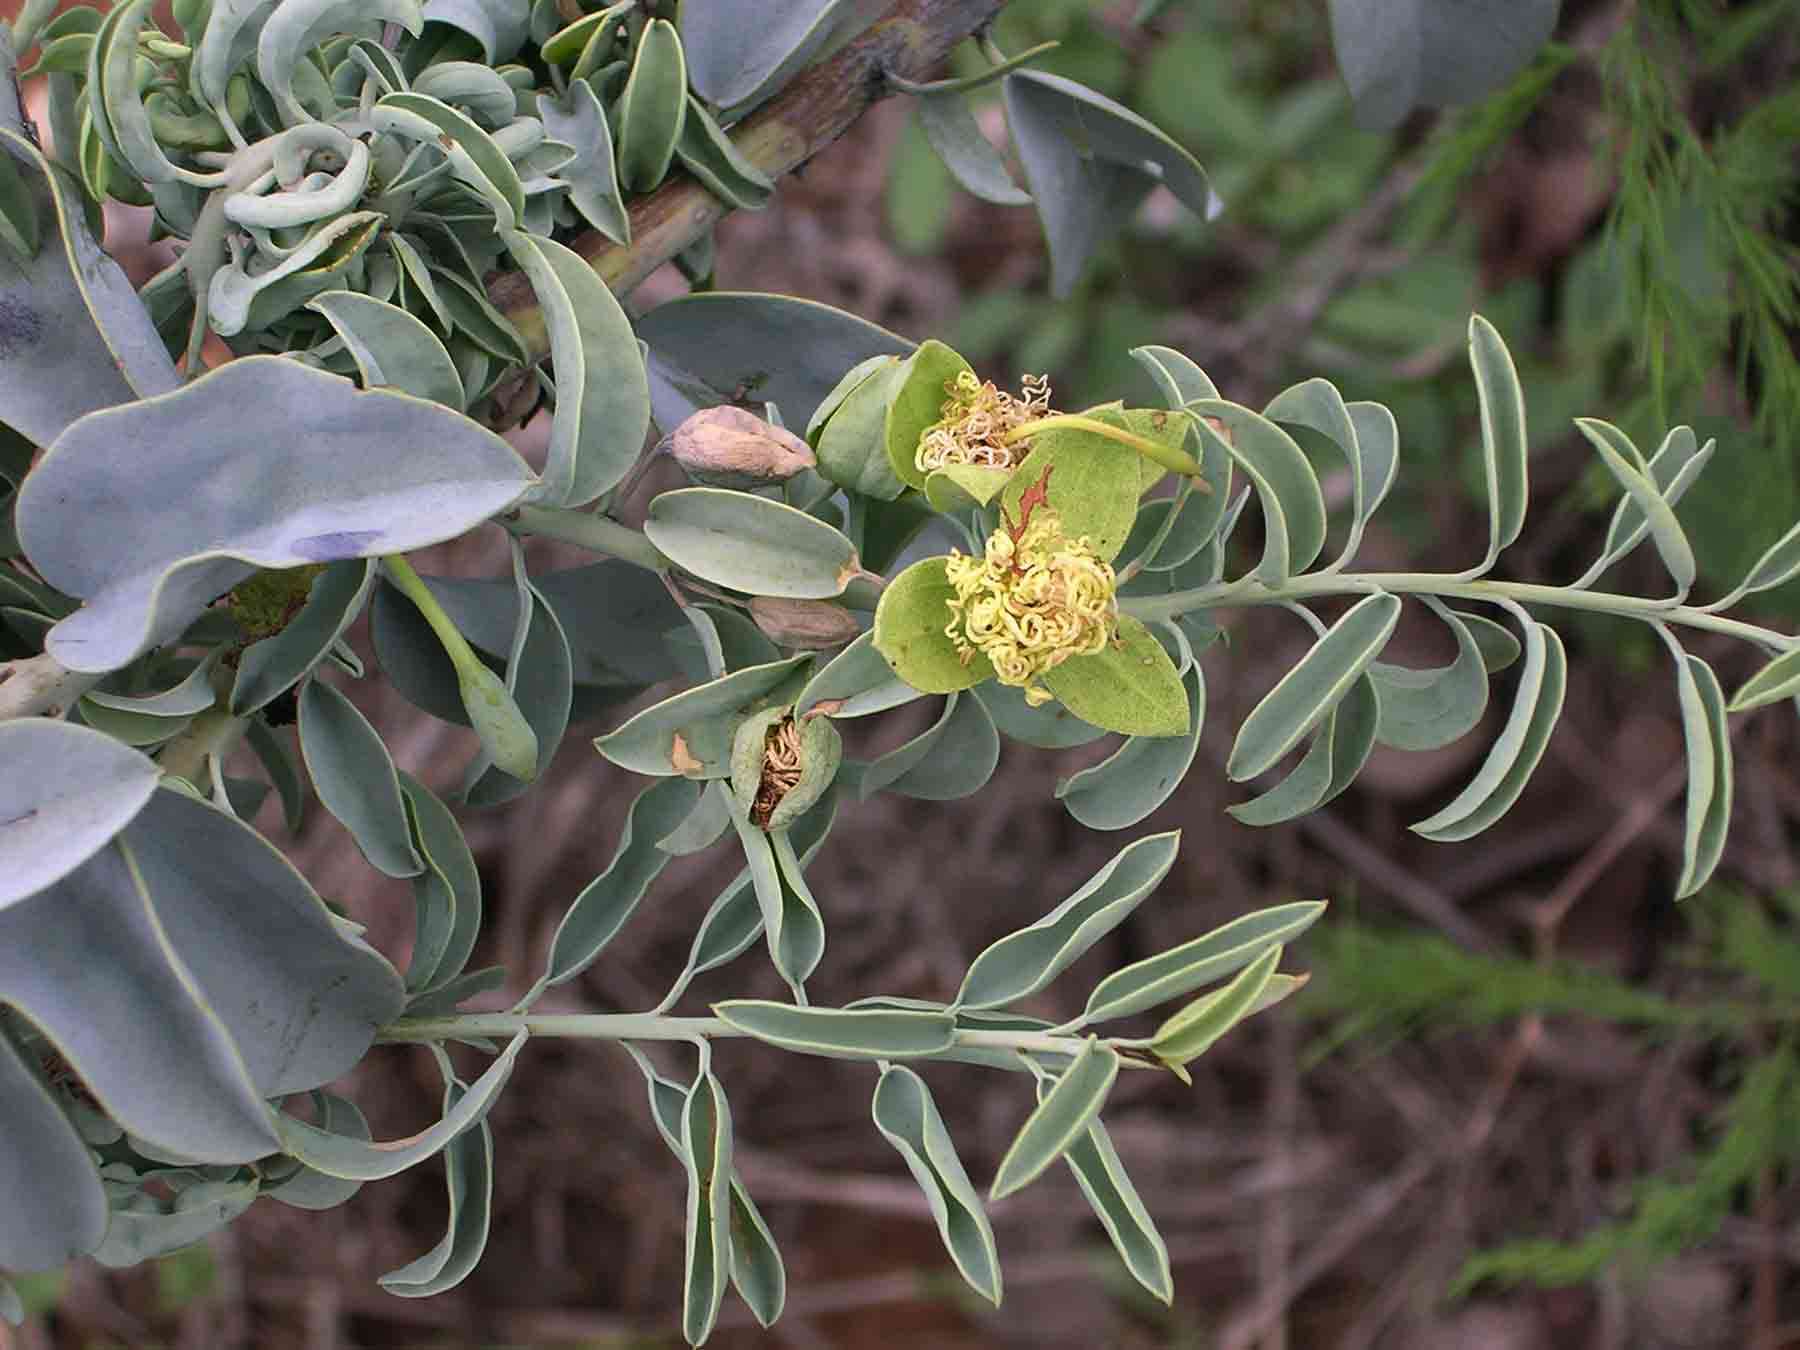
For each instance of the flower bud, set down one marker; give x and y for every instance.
(804, 625)
(729, 447)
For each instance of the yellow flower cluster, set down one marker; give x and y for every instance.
(1034, 601)
(976, 419)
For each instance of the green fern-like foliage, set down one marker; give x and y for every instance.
(1380, 986)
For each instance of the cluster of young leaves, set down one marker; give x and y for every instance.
(1379, 987)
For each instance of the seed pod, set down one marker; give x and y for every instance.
(729, 447)
(780, 767)
(805, 625)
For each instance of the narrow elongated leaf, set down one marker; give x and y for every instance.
(310, 1190)
(271, 667)
(294, 484)
(1503, 774)
(55, 1208)
(1620, 456)
(971, 158)
(708, 152)
(756, 1268)
(734, 920)
(751, 543)
(1672, 470)
(1317, 405)
(1139, 776)
(474, 158)
(1194, 1030)
(703, 721)
(1313, 687)
(469, 1174)
(1503, 444)
(1025, 961)
(840, 1033)
(281, 764)
(1292, 502)
(66, 791)
(908, 1119)
(1776, 567)
(446, 895)
(357, 1160)
(1170, 974)
(652, 108)
(611, 898)
(1426, 709)
(1774, 682)
(355, 779)
(1709, 775)
(540, 689)
(1061, 1118)
(706, 1152)
(1115, 1202)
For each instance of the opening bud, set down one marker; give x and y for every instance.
(782, 765)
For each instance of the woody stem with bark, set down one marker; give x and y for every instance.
(908, 41)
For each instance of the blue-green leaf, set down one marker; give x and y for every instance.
(1139, 776)
(1293, 503)
(840, 1033)
(908, 1118)
(1061, 1118)
(355, 779)
(1308, 692)
(1025, 961)
(189, 523)
(602, 395)
(358, 1160)
(66, 790)
(269, 668)
(1170, 974)
(1515, 754)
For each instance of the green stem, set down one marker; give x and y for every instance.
(410, 584)
(658, 1027)
(589, 530)
(1004, 67)
(1179, 461)
(1250, 591)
